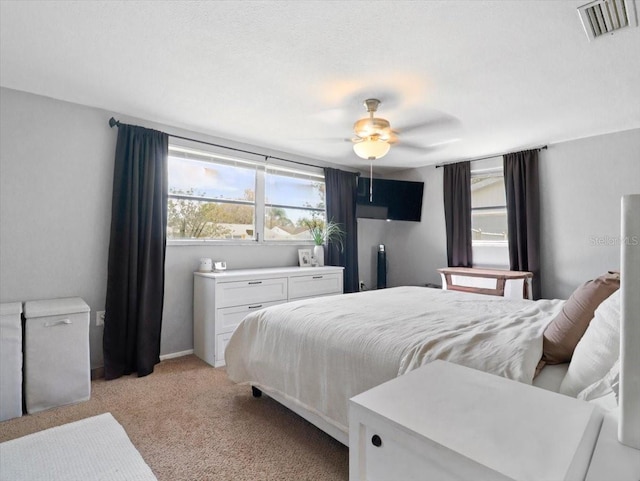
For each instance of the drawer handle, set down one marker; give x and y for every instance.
(58, 323)
(255, 307)
(376, 440)
(317, 277)
(255, 282)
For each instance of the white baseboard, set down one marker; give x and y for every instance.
(173, 355)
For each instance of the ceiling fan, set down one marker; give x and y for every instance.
(373, 136)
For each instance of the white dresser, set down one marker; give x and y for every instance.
(222, 299)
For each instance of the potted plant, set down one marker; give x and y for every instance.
(322, 233)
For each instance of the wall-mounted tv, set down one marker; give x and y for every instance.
(392, 199)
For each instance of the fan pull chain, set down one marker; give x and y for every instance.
(370, 180)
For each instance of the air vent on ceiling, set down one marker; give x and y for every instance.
(607, 16)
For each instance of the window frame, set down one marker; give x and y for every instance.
(304, 173)
(262, 163)
(482, 171)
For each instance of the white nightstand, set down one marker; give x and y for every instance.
(448, 422)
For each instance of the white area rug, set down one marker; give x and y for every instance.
(95, 448)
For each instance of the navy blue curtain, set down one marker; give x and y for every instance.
(135, 284)
(341, 192)
(523, 214)
(457, 213)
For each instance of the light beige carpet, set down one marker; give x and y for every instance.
(190, 422)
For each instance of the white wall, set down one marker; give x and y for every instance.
(415, 250)
(56, 172)
(56, 176)
(581, 183)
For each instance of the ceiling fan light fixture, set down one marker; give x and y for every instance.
(372, 126)
(371, 148)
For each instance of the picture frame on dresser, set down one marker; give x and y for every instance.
(304, 257)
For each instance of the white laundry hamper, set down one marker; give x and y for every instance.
(10, 360)
(56, 353)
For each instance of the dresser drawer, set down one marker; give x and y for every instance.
(315, 285)
(242, 293)
(228, 318)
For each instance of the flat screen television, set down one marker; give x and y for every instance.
(392, 199)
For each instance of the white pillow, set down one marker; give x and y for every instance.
(597, 351)
(609, 384)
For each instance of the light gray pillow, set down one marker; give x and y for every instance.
(565, 331)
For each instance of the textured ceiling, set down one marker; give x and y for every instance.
(495, 75)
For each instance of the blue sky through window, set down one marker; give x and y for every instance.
(216, 181)
(219, 181)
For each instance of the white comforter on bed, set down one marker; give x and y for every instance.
(321, 352)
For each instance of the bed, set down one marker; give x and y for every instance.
(313, 355)
(317, 353)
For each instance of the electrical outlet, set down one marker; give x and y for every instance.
(100, 318)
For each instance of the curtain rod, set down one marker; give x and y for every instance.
(543, 147)
(116, 123)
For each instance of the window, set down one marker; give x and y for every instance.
(210, 196)
(292, 198)
(227, 198)
(488, 206)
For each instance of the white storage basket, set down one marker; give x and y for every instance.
(57, 366)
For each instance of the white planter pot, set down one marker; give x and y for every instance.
(318, 253)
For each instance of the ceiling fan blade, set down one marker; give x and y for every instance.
(431, 123)
(333, 140)
(436, 119)
(424, 148)
(414, 147)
